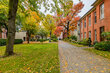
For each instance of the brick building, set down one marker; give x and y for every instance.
(95, 21)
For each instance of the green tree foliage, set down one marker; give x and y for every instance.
(30, 24)
(49, 24)
(4, 13)
(42, 33)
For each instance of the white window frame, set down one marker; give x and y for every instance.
(85, 35)
(95, 35)
(89, 34)
(102, 11)
(90, 20)
(85, 23)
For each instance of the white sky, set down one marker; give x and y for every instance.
(87, 6)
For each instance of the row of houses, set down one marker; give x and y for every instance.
(94, 22)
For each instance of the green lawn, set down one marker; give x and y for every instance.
(33, 58)
(105, 54)
(77, 45)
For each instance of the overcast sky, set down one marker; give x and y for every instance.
(87, 6)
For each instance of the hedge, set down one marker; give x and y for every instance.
(42, 40)
(55, 40)
(17, 41)
(104, 46)
(84, 42)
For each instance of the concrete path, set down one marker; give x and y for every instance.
(77, 60)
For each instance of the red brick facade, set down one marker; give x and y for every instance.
(100, 25)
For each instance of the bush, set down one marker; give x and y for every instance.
(73, 38)
(65, 39)
(17, 41)
(55, 40)
(95, 42)
(84, 42)
(32, 40)
(53, 37)
(42, 40)
(73, 41)
(104, 46)
(2, 42)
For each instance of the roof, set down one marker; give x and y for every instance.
(96, 2)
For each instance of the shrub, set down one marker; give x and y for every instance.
(73, 38)
(2, 42)
(42, 40)
(17, 41)
(66, 39)
(55, 40)
(53, 37)
(70, 40)
(73, 41)
(106, 35)
(32, 40)
(84, 42)
(104, 46)
(95, 42)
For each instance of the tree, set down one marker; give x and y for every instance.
(30, 24)
(42, 33)
(58, 31)
(13, 6)
(49, 24)
(67, 16)
(34, 5)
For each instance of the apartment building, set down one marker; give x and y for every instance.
(95, 21)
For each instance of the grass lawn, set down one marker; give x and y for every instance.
(31, 58)
(105, 54)
(77, 45)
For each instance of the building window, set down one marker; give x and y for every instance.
(90, 20)
(85, 35)
(85, 23)
(89, 34)
(95, 17)
(81, 36)
(95, 35)
(81, 25)
(102, 11)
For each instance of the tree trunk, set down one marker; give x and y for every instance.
(13, 6)
(68, 30)
(50, 36)
(28, 37)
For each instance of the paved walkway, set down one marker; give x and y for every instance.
(77, 60)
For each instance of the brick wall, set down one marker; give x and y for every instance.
(100, 22)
